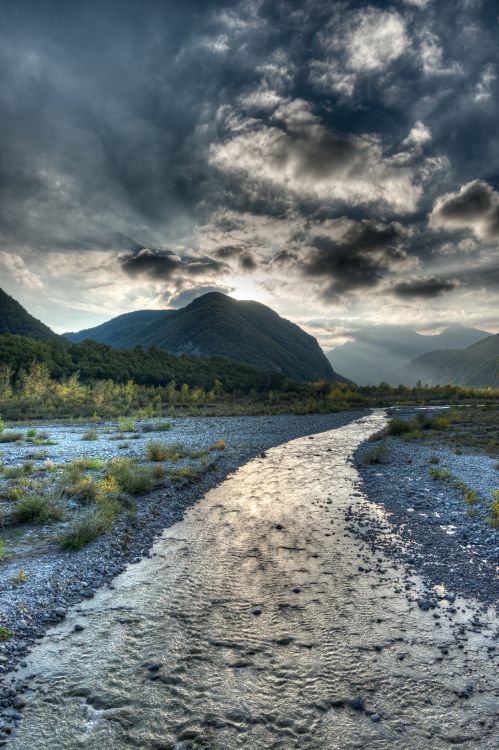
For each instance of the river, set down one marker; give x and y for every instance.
(252, 626)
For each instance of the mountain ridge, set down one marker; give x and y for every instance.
(217, 325)
(475, 366)
(382, 353)
(14, 319)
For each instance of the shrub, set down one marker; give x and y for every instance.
(131, 478)
(90, 435)
(218, 446)
(20, 577)
(127, 424)
(413, 435)
(13, 472)
(4, 555)
(494, 519)
(31, 433)
(5, 634)
(434, 460)
(11, 437)
(35, 509)
(84, 491)
(440, 474)
(398, 426)
(159, 427)
(441, 422)
(2, 425)
(88, 464)
(471, 496)
(85, 530)
(377, 455)
(157, 451)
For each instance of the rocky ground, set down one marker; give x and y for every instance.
(446, 540)
(56, 580)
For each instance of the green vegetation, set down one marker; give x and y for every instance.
(90, 435)
(86, 530)
(4, 555)
(19, 578)
(157, 427)
(127, 424)
(494, 518)
(5, 634)
(56, 380)
(132, 479)
(174, 452)
(442, 475)
(379, 454)
(35, 509)
(11, 437)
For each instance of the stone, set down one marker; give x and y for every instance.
(357, 704)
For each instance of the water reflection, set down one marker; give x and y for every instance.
(257, 621)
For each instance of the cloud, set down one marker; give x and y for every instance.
(425, 288)
(15, 266)
(357, 257)
(165, 264)
(304, 159)
(368, 40)
(474, 207)
(418, 136)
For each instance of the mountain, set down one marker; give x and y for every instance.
(217, 325)
(381, 353)
(121, 332)
(478, 365)
(14, 319)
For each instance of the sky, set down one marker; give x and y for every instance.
(338, 161)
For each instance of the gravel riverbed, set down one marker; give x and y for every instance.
(445, 540)
(57, 580)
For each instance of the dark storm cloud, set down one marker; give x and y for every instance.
(474, 207)
(244, 257)
(155, 120)
(162, 265)
(358, 259)
(424, 288)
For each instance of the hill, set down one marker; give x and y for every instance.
(217, 325)
(381, 353)
(15, 320)
(476, 366)
(93, 361)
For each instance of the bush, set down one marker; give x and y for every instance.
(13, 472)
(35, 509)
(398, 426)
(127, 424)
(5, 634)
(90, 435)
(85, 530)
(4, 555)
(2, 425)
(160, 427)
(440, 474)
(218, 446)
(133, 479)
(434, 460)
(494, 519)
(377, 455)
(84, 491)
(11, 437)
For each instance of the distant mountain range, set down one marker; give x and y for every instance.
(217, 325)
(14, 319)
(478, 365)
(382, 353)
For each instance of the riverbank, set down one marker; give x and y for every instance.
(262, 620)
(438, 500)
(55, 580)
